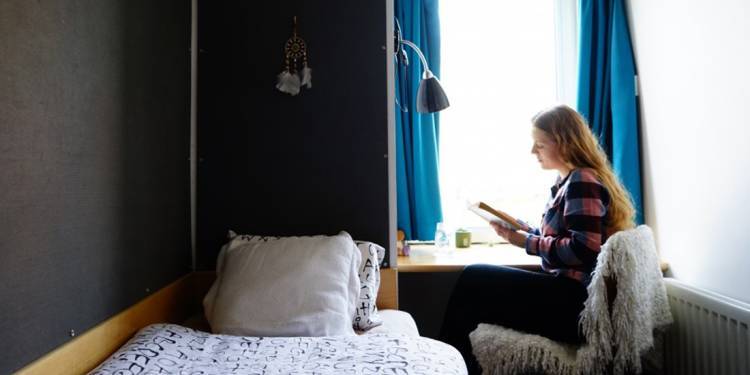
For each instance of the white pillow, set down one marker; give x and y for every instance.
(366, 314)
(235, 240)
(290, 286)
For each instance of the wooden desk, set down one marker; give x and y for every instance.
(427, 277)
(425, 258)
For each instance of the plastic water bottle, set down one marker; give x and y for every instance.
(441, 237)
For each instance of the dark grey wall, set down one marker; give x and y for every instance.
(282, 165)
(94, 186)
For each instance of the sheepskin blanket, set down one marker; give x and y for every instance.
(618, 337)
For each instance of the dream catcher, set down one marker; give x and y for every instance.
(292, 78)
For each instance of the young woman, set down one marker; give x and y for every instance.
(587, 204)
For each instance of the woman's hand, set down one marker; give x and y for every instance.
(509, 235)
(502, 230)
(524, 227)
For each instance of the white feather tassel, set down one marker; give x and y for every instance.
(307, 77)
(288, 83)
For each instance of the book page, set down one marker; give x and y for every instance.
(494, 216)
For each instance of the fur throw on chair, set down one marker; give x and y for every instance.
(617, 338)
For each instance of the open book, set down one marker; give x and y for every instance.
(494, 216)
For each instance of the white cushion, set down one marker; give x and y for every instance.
(366, 314)
(290, 286)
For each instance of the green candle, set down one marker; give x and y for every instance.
(463, 238)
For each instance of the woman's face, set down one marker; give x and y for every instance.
(546, 151)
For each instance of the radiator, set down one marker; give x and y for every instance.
(709, 335)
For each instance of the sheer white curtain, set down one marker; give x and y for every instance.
(501, 64)
(566, 50)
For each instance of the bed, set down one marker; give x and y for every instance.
(175, 349)
(383, 341)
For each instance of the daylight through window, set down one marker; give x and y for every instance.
(498, 68)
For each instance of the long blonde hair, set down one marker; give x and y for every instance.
(578, 146)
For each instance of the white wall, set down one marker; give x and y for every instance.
(693, 59)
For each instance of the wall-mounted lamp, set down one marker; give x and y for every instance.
(430, 95)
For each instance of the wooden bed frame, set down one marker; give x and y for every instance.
(175, 303)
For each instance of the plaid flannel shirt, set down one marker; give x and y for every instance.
(573, 228)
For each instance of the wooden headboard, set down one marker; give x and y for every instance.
(388, 292)
(175, 303)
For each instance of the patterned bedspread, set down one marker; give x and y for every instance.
(173, 349)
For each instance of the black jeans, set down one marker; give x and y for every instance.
(526, 301)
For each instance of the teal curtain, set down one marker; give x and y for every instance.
(418, 188)
(607, 89)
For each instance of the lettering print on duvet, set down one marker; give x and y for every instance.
(173, 349)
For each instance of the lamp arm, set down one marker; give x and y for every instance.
(427, 71)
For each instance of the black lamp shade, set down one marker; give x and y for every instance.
(430, 96)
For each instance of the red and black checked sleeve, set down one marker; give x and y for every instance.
(579, 242)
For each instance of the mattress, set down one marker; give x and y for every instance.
(174, 349)
(394, 321)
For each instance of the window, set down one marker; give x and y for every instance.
(498, 65)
